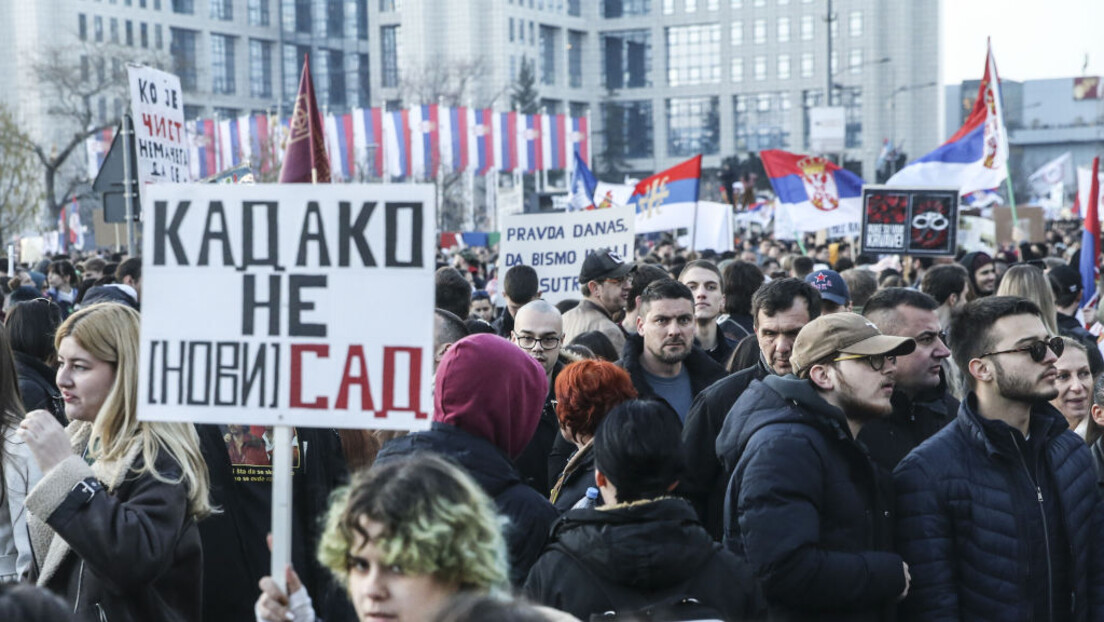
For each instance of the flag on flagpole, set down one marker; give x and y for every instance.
(1057, 171)
(1084, 188)
(666, 200)
(306, 159)
(583, 184)
(1090, 238)
(817, 193)
(976, 157)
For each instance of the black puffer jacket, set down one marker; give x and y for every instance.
(624, 557)
(966, 502)
(704, 480)
(912, 422)
(37, 386)
(530, 514)
(703, 371)
(809, 510)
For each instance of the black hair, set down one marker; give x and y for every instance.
(664, 289)
(890, 298)
(30, 603)
(941, 281)
(65, 270)
(598, 343)
(633, 449)
(520, 284)
(971, 328)
(131, 267)
(802, 265)
(480, 294)
(1062, 296)
(780, 294)
(453, 292)
(643, 276)
(741, 280)
(453, 329)
(31, 326)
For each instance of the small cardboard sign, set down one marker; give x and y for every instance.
(913, 221)
(1030, 224)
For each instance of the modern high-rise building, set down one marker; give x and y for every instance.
(662, 80)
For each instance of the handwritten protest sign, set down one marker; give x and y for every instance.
(555, 245)
(264, 305)
(157, 107)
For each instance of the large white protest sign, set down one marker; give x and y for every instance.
(713, 227)
(292, 304)
(555, 245)
(157, 107)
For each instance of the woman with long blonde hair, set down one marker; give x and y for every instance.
(113, 520)
(1027, 281)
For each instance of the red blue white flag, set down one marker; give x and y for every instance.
(666, 200)
(1090, 239)
(368, 139)
(817, 193)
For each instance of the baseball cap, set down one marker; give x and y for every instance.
(603, 264)
(842, 333)
(1066, 278)
(831, 286)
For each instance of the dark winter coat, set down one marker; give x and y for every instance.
(963, 503)
(129, 555)
(624, 557)
(912, 422)
(809, 510)
(703, 371)
(578, 475)
(533, 462)
(704, 480)
(236, 557)
(530, 514)
(37, 386)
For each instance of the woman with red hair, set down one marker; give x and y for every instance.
(585, 392)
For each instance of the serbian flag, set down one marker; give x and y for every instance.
(339, 138)
(96, 146)
(976, 157)
(665, 201)
(396, 143)
(529, 147)
(583, 184)
(481, 146)
(817, 193)
(423, 141)
(306, 160)
(452, 136)
(368, 139)
(205, 148)
(1090, 238)
(580, 137)
(504, 129)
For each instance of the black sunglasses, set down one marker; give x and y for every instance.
(1037, 350)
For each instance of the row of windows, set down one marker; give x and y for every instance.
(127, 36)
(323, 18)
(141, 3)
(760, 121)
(784, 66)
(573, 7)
(520, 36)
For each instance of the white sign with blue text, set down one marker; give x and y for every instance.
(555, 244)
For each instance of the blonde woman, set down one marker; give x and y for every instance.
(1029, 282)
(113, 519)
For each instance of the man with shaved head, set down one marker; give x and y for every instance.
(538, 330)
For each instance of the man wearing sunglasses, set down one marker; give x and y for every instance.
(604, 281)
(921, 403)
(998, 514)
(806, 506)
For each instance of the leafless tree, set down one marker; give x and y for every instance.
(20, 184)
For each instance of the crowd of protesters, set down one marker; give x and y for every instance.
(760, 434)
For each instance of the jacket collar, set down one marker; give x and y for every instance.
(801, 394)
(703, 370)
(586, 304)
(989, 434)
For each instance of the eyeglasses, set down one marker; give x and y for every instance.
(625, 280)
(1037, 350)
(876, 361)
(526, 342)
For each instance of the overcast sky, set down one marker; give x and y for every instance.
(1032, 39)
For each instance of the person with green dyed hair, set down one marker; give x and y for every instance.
(403, 538)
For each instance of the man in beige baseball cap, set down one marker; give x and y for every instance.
(804, 504)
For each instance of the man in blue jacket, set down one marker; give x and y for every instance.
(998, 513)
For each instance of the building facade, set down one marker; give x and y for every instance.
(662, 80)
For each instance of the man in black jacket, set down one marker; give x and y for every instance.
(1065, 284)
(538, 330)
(780, 308)
(806, 506)
(921, 403)
(999, 515)
(662, 359)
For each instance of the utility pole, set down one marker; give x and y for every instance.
(828, 91)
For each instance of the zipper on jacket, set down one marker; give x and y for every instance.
(1046, 530)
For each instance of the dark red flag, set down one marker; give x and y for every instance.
(305, 160)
